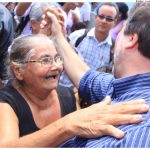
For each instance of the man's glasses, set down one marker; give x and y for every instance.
(46, 61)
(108, 19)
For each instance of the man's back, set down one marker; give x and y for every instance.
(136, 135)
(133, 87)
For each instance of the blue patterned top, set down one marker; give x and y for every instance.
(95, 86)
(94, 53)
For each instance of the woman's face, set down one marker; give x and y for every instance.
(43, 74)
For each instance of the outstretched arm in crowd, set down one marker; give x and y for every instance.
(74, 66)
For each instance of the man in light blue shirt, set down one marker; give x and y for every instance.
(96, 46)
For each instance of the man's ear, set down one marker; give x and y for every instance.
(18, 72)
(114, 24)
(132, 41)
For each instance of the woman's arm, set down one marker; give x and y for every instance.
(74, 66)
(96, 120)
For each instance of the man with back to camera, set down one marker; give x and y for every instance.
(131, 78)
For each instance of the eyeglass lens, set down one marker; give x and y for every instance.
(49, 60)
(109, 19)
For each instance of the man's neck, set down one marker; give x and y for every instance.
(137, 66)
(100, 36)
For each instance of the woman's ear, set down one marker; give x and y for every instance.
(18, 72)
(61, 70)
(132, 41)
(95, 16)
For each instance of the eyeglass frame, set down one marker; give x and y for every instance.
(49, 61)
(107, 18)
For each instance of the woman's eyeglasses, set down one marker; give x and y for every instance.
(46, 61)
(108, 19)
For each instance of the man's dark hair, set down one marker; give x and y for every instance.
(61, 3)
(78, 26)
(109, 4)
(139, 23)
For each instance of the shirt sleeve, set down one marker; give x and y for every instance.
(94, 85)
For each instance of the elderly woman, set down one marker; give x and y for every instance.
(30, 107)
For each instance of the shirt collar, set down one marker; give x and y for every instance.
(108, 39)
(123, 85)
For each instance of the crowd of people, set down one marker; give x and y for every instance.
(49, 52)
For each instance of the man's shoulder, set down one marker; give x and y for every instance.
(75, 35)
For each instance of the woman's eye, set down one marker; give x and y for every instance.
(46, 60)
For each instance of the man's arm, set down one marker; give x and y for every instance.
(21, 8)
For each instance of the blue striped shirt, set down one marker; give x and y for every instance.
(95, 86)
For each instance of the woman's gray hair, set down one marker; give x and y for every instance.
(36, 11)
(22, 49)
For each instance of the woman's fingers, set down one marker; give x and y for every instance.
(133, 102)
(105, 125)
(120, 119)
(99, 119)
(112, 131)
(130, 108)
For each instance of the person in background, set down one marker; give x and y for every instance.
(91, 23)
(11, 6)
(83, 10)
(31, 14)
(6, 37)
(70, 15)
(95, 47)
(123, 14)
(22, 11)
